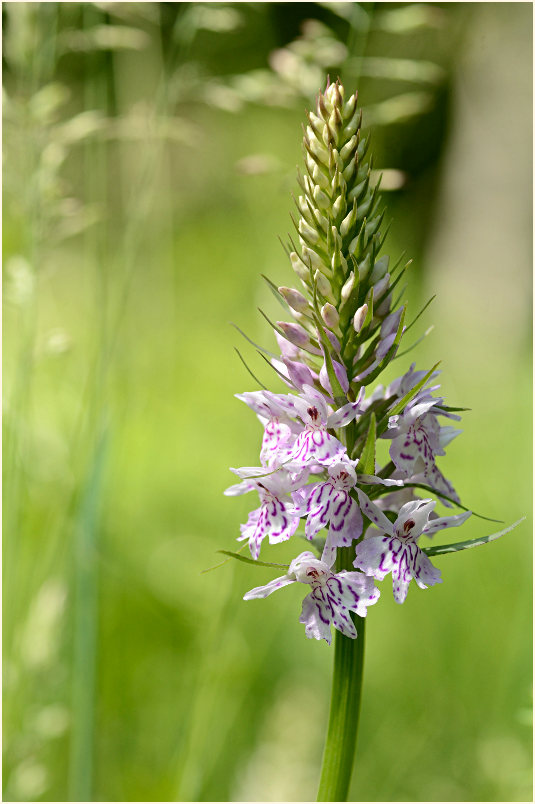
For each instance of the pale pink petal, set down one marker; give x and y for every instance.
(424, 573)
(373, 480)
(346, 519)
(340, 373)
(316, 617)
(272, 586)
(404, 451)
(276, 436)
(374, 514)
(373, 556)
(400, 588)
(299, 374)
(344, 415)
(239, 488)
(315, 446)
(440, 523)
(434, 478)
(358, 591)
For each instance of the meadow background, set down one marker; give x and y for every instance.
(149, 158)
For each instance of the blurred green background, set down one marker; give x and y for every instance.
(150, 153)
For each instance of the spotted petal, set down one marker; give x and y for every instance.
(317, 617)
(413, 517)
(274, 519)
(424, 573)
(315, 446)
(373, 557)
(435, 525)
(358, 591)
(277, 435)
(374, 514)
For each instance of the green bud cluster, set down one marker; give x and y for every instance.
(339, 228)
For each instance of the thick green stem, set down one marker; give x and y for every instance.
(341, 739)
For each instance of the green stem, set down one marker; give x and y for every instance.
(342, 731)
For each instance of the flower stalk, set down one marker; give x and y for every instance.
(341, 739)
(318, 458)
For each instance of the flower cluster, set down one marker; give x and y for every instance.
(318, 461)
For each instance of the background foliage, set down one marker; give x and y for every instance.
(150, 152)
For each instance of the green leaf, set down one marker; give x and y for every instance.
(366, 464)
(428, 331)
(274, 289)
(261, 384)
(271, 324)
(247, 338)
(453, 548)
(424, 308)
(270, 364)
(252, 561)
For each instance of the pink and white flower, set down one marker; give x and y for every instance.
(331, 599)
(418, 438)
(329, 503)
(276, 517)
(276, 412)
(396, 549)
(315, 444)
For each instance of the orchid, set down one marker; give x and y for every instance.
(396, 550)
(276, 517)
(332, 597)
(320, 471)
(330, 501)
(315, 444)
(275, 412)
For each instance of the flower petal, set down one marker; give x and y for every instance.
(272, 586)
(424, 573)
(412, 518)
(374, 514)
(373, 556)
(316, 616)
(315, 446)
(400, 587)
(373, 480)
(435, 525)
(358, 591)
(344, 415)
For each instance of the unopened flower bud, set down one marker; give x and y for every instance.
(323, 285)
(379, 270)
(384, 307)
(348, 286)
(380, 287)
(311, 258)
(348, 148)
(364, 268)
(294, 298)
(295, 333)
(338, 204)
(330, 315)
(308, 232)
(360, 317)
(299, 267)
(322, 199)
